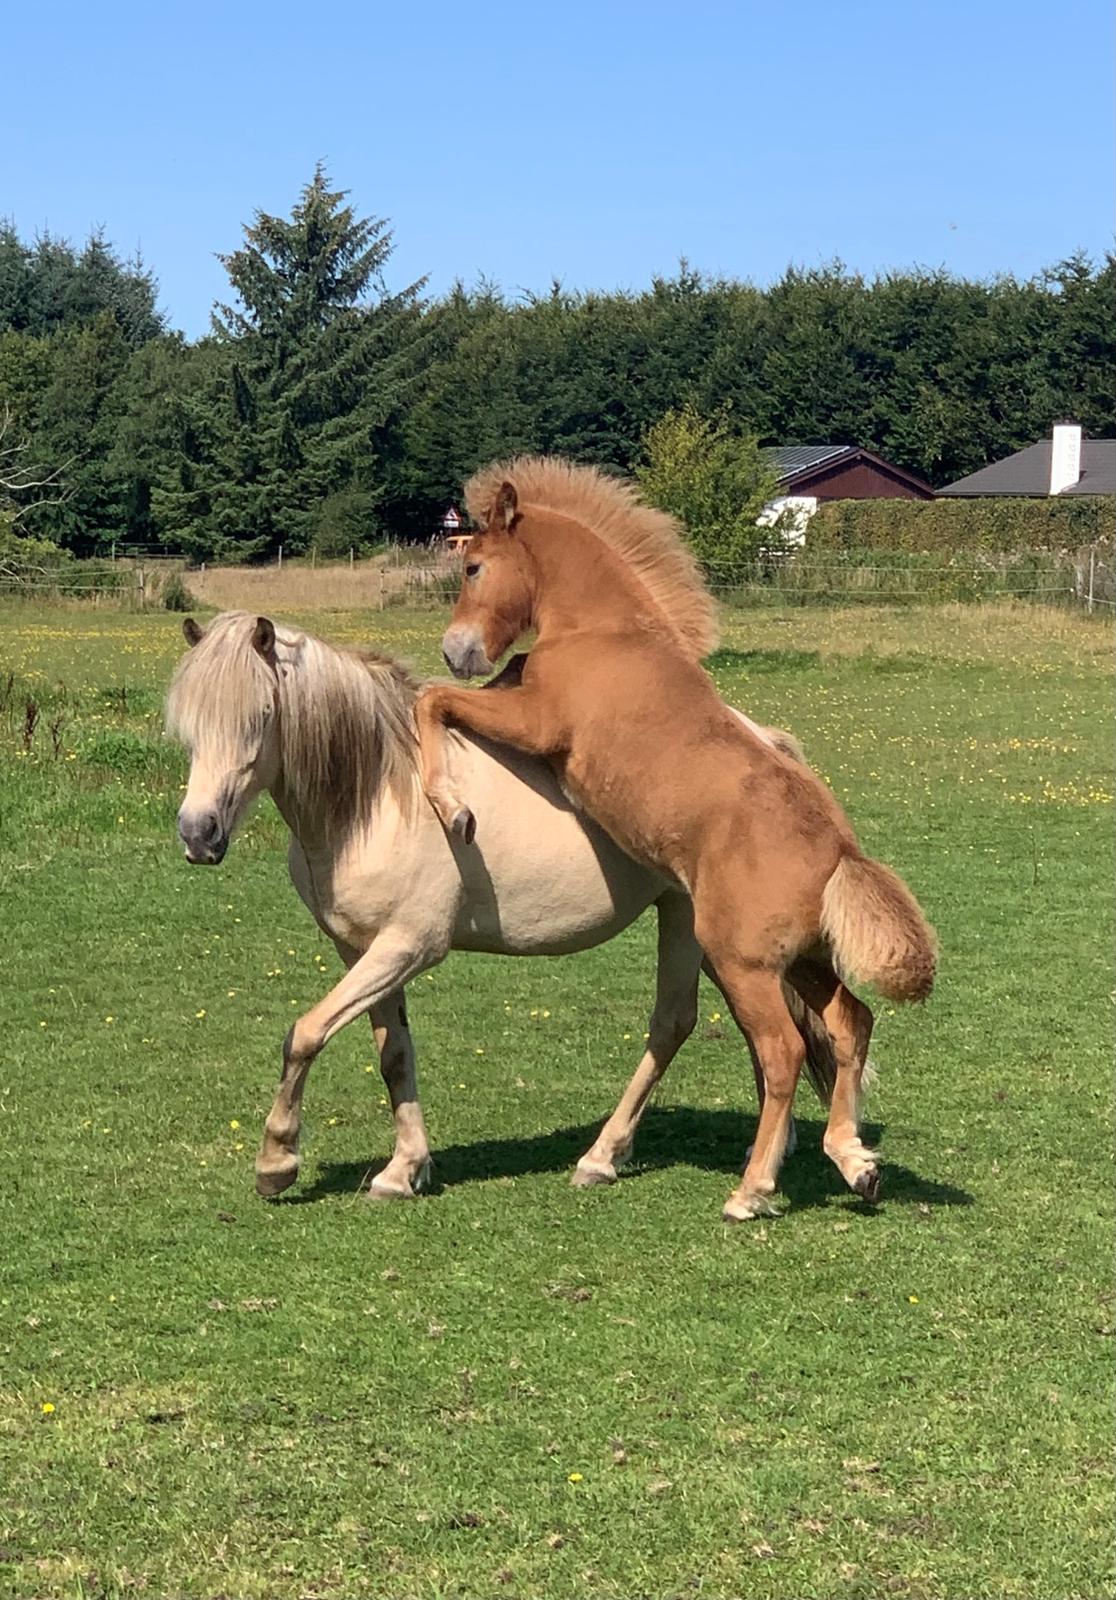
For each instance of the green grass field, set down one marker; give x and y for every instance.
(511, 1387)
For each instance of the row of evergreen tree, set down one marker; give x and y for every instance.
(325, 409)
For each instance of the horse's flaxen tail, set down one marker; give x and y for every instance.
(876, 930)
(821, 1059)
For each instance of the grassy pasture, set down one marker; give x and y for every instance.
(512, 1388)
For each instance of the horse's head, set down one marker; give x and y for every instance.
(224, 706)
(495, 604)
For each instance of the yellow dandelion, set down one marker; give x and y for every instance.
(233, 1124)
(48, 1408)
(715, 1016)
(575, 1477)
(110, 1019)
(200, 1014)
(913, 1299)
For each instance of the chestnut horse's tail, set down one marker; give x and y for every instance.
(876, 930)
(821, 1058)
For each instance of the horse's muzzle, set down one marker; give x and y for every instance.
(464, 653)
(203, 836)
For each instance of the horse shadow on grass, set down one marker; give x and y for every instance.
(709, 1140)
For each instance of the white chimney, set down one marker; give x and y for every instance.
(1065, 456)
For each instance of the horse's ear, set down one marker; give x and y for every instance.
(191, 632)
(504, 509)
(263, 637)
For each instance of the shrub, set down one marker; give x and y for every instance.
(176, 596)
(964, 526)
(715, 482)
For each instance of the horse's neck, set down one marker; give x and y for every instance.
(581, 582)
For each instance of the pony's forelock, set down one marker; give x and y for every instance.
(345, 716)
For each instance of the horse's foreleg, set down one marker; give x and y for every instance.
(672, 1023)
(384, 967)
(408, 1171)
(517, 716)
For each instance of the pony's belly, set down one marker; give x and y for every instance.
(541, 879)
(545, 928)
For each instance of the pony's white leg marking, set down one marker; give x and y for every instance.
(408, 1171)
(385, 966)
(672, 1022)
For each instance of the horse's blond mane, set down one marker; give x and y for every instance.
(346, 716)
(648, 540)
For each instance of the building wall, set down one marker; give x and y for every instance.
(861, 480)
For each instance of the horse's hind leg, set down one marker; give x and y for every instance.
(755, 994)
(672, 1023)
(848, 1022)
(408, 1171)
(792, 1131)
(383, 968)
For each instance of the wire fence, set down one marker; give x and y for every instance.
(425, 577)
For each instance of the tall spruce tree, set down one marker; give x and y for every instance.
(318, 356)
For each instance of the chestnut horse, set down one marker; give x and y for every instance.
(614, 695)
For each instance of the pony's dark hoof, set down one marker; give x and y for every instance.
(271, 1184)
(464, 825)
(867, 1185)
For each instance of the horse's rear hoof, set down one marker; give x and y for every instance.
(271, 1184)
(464, 825)
(867, 1185)
(385, 1187)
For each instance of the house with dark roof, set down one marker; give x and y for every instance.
(842, 472)
(807, 474)
(1064, 464)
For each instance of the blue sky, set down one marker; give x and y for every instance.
(596, 143)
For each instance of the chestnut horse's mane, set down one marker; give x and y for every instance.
(648, 540)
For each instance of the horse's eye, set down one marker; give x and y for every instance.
(472, 568)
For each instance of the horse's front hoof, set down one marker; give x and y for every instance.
(747, 1207)
(464, 825)
(271, 1183)
(591, 1174)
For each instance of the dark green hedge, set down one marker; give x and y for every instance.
(963, 525)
